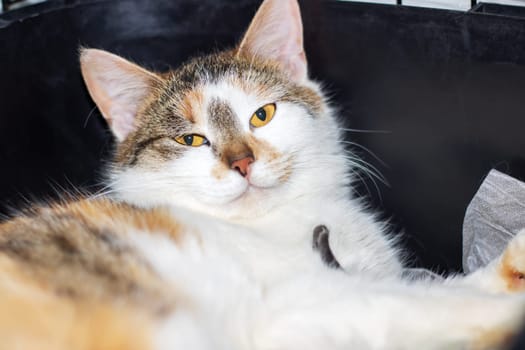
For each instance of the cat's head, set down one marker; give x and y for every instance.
(233, 134)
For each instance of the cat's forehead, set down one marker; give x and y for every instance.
(241, 84)
(237, 83)
(227, 66)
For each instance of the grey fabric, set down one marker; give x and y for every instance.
(493, 217)
(420, 274)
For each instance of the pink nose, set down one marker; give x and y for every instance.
(243, 165)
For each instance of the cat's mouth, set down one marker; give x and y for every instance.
(250, 189)
(256, 186)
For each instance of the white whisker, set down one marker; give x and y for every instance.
(367, 131)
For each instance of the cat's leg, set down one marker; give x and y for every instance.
(345, 313)
(506, 274)
(321, 244)
(360, 243)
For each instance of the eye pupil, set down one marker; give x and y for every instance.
(188, 139)
(261, 114)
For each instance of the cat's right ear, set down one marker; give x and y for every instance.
(117, 86)
(276, 33)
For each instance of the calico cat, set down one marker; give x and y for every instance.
(224, 171)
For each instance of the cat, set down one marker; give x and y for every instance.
(225, 172)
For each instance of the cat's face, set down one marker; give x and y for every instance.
(233, 134)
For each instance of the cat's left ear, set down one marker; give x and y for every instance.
(117, 86)
(276, 33)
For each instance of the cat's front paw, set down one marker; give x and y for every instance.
(512, 264)
(321, 244)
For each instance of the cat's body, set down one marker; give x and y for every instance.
(185, 280)
(223, 170)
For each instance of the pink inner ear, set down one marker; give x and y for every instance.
(117, 86)
(123, 123)
(276, 33)
(295, 65)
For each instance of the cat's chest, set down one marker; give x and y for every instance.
(276, 246)
(268, 248)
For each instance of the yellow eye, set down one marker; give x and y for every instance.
(193, 140)
(263, 115)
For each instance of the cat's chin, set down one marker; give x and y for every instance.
(252, 201)
(249, 193)
(252, 189)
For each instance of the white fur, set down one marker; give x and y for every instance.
(247, 266)
(227, 306)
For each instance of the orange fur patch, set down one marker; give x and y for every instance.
(33, 319)
(514, 279)
(78, 250)
(262, 149)
(191, 106)
(122, 215)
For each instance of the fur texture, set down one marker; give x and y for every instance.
(204, 238)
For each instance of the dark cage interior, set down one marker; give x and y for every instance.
(436, 98)
(432, 99)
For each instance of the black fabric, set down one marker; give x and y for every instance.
(447, 88)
